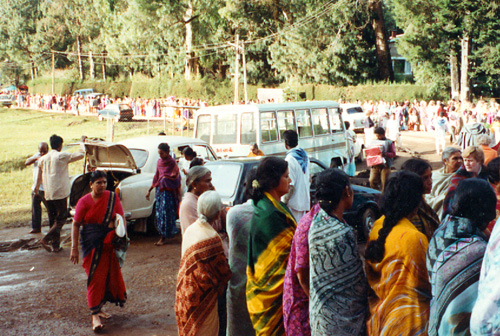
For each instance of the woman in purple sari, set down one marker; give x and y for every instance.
(167, 184)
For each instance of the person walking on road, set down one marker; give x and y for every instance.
(379, 173)
(37, 198)
(53, 171)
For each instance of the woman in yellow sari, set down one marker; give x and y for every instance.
(269, 243)
(396, 263)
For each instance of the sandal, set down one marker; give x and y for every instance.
(104, 315)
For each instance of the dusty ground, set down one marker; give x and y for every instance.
(43, 293)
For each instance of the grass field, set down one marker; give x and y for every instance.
(20, 133)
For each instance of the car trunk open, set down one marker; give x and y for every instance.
(115, 159)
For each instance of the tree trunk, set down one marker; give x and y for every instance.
(189, 62)
(92, 68)
(464, 73)
(381, 45)
(80, 63)
(455, 84)
(104, 65)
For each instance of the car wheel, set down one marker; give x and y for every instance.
(361, 155)
(151, 223)
(369, 217)
(100, 117)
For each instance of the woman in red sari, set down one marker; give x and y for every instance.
(95, 213)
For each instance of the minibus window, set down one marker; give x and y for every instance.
(320, 121)
(248, 134)
(286, 121)
(304, 123)
(335, 121)
(268, 127)
(203, 127)
(225, 128)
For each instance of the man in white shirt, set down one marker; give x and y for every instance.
(53, 171)
(37, 198)
(298, 198)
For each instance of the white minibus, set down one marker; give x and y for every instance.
(232, 129)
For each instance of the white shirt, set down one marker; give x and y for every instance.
(55, 175)
(35, 171)
(301, 199)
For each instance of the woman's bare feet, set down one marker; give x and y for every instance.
(161, 242)
(96, 323)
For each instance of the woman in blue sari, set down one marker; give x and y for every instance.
(455, 255)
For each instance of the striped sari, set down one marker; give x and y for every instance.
(269, 244)
(203, 276)
(400, 283)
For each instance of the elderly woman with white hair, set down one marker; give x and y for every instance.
(204, 271)
(198, 181)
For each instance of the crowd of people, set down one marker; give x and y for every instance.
(79, 104)
(274, 265)
(303, 273)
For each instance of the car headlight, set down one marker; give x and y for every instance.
(117, 192)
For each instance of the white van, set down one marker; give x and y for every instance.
(83, 92)
(232, 129)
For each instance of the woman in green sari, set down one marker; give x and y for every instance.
(269, 244)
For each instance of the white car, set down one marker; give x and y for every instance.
(354, 114)
(130, 166)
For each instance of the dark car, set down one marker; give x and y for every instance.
(116, 112)
(228, 177)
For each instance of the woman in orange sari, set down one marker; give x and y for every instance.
(95, 213)
(396, 263)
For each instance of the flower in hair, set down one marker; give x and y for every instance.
(255, 184)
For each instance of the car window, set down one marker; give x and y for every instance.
(315, 168)
(335, 122)
(204, 152)
(268, 127)
(304, 123)
(140, 156)
(225, 128)
(225, 178)
(248, 134)
(203, 127)
(320, 121)
(356, 109)
(286, 121)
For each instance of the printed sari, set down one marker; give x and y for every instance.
(203, 275)
(485, 319)
(402, 293)
(338, 289)
(295, 300)
(454, 262)
(269, 244)
(105, 281)
(167, 183)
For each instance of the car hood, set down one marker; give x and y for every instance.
(109, 155)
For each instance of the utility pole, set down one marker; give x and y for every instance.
(53, 73)
(244, 71)
(236, 71)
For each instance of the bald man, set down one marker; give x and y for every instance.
(37, 198)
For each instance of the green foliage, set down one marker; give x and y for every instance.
(222, 92)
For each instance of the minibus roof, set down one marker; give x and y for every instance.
(268, 107)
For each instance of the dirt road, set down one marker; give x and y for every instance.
(43, 293)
